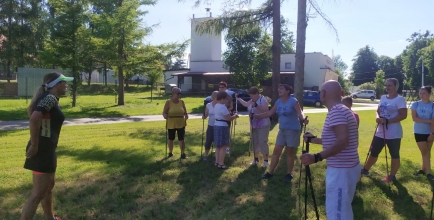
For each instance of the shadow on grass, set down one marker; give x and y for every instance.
(13, 114)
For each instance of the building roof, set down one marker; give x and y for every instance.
(213, 73)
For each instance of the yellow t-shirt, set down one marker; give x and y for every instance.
(176, 115)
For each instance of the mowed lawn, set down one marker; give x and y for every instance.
(100, 101)
(119, 172)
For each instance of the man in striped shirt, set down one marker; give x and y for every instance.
(340, 141)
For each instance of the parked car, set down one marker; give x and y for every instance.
(243, 94)
(311, 98)
(365, 94)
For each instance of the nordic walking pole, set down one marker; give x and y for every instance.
(166, 139)
(302, 149)
(432, 201)
(251, 134)
(385, 148)
(201, 146)
(309, 178)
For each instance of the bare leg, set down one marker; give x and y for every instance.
(394, 167)
(222, 154)
(170, 146)
(47, 201)
(371, 161)
(41, 184)
(428, 163)
(290, 158)
(275, 159)
(425, 155)
(217, 154)
(181, 146)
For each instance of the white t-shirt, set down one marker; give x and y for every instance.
(259, 122)
(220, 110)
(211, 118)
(389, 109)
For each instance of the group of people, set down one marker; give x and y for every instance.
(339, 136)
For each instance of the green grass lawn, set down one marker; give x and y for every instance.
(118, 172)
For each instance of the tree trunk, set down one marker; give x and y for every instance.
(300, 52)
(90, 77)
(74, 66)
(121, 85)
(121, 57)
(152, 88)
(276, 51)
(105, 73)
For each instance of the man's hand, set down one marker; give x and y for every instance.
(165, 115)
(33, 150)
(186, 116)
(307, 159)
(305, 121)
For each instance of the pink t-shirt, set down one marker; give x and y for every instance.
(349, 156)
(357, 118)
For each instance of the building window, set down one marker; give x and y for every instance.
(287, 65)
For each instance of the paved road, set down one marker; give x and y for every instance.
(23, 124)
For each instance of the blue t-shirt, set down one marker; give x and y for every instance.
(288, 117)
(424, 111)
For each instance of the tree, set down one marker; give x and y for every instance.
(341, 80)
(69, 46)
(365, 66)
(340, 65)
(248, 57)
(121, 33)
(172, 51)
(287, 41)
(412, 58)
(367, 86)
(380, 83)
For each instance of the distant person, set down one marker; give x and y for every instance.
(223, 86)
(422, 113)
(46, 119)
(290, 119)
(348, 101)
(221, 129)
(392, 109)
(339, 140)
(176, 115)
(209, 112)
(260, 126)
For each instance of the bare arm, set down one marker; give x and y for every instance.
(342, 141)
(244, 103)
(205, 115)
(299, 111)
(166, 110)
(185, 110)
(34, 125)
(266, 114)
(417, 119)
(230, 117)
(402, 114)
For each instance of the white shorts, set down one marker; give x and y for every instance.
(340, 189)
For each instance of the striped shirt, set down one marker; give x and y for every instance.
(349, 156)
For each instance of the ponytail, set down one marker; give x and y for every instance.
(38, 93)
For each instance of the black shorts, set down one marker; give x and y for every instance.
(421, 137)
(180, 131)
(393, 144)
(45, 161)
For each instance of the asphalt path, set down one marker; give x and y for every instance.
(24, 124)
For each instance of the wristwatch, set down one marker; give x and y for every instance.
(318, 157)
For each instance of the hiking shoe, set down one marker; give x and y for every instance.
(253, 162)
(419, 172)
(389, 178)
(365, 172)
(267, 176)
(429, 176)
(265, 164)
(170, 155)
(183, 156)
(228, 151)
(288, 178)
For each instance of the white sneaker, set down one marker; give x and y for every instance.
(265, 164)
(228, 151)
(253, 162)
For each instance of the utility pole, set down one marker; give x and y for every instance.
(422, 74)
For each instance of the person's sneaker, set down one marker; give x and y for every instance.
(228, 151)
(170, 155)
(389, 178)
(288, 177)
(56, 218)
(265, 164)
(365, 172)
(183, 156)
(253, 162)
(267, 176)
(205, 158)
(429, 176)
(419, 172)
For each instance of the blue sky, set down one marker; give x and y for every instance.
(382, 24)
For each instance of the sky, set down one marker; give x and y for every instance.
(382, 24)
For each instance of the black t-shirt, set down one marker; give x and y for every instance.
(46, 160)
